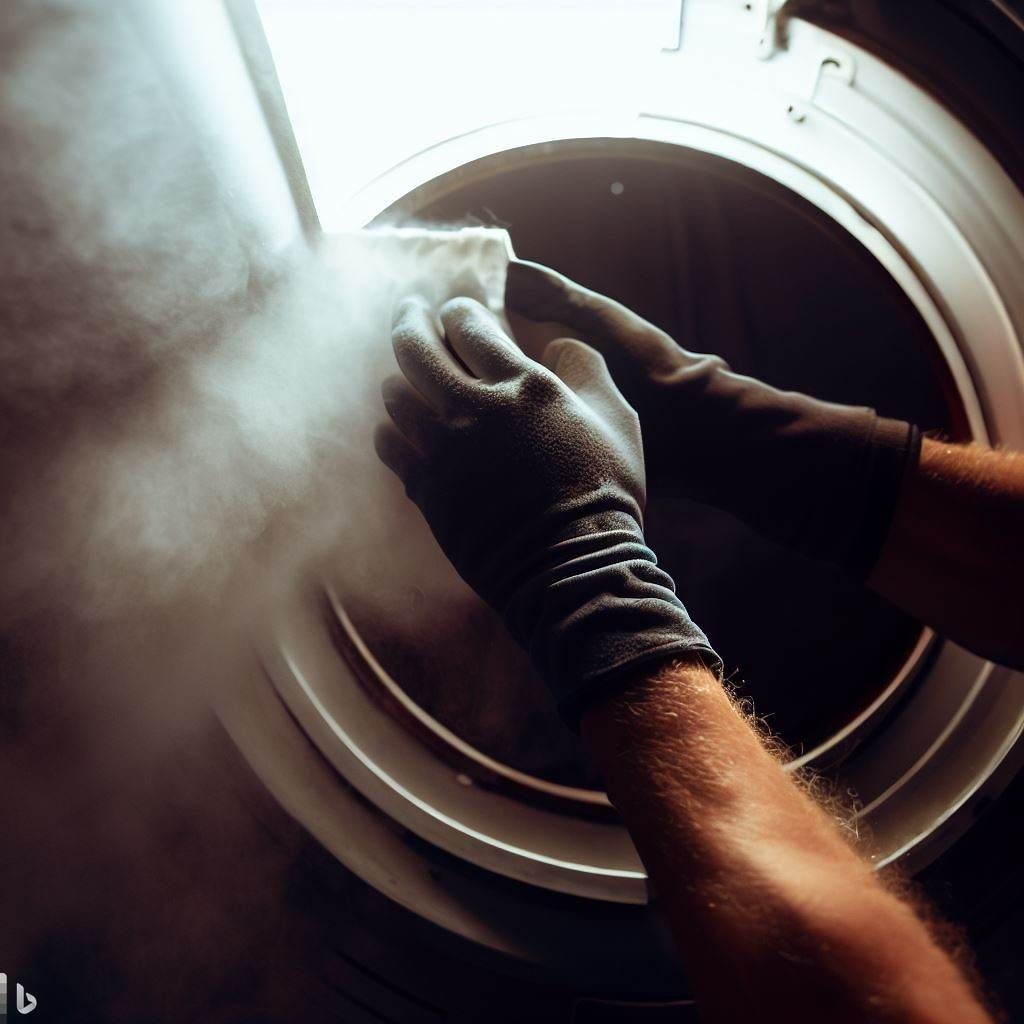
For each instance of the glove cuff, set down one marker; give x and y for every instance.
(892, 453)
(600, 607)
(844, 467)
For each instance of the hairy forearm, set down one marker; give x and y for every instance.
(954, 557)
(768, 902)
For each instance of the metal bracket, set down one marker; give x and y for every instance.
(772, 14)
(673, 37)
(835, 64)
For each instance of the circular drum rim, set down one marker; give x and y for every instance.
(897, 183)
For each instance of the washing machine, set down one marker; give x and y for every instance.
(828, 193)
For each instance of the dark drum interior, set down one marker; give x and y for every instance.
(728, 262)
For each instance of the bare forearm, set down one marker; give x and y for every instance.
(954, 557)
(769, 904)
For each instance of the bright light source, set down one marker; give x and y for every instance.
(369, 83)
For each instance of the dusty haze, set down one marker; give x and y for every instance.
(185, 422)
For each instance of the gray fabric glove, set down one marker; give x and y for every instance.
(820, 478)
(531, 478)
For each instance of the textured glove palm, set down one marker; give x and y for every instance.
(531, 478)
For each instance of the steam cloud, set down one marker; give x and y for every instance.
(186, 423)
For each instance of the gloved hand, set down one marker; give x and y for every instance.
(531, 478)
(823, 479)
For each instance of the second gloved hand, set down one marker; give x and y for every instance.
(821, 478)
(531, 478)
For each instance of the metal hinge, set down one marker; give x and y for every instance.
(834, 63)
(772, 17)
(673, 30)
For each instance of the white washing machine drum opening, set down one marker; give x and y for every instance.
(725, 261)
(824, 224)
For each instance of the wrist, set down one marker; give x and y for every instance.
(895, 453)
(595, 607)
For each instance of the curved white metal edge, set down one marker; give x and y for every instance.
(895, 807)
(455, 742)
(843, 101)
(520, 851)
(844, 740)
(627, 129)
(935, 828)
(397, 773)
(451, 824)
(566, 940)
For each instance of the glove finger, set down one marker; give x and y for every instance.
(423, 357)
(478, 340)
(395, 451)
(585, 371)
(411, 413)
(627, 341)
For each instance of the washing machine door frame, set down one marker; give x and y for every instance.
(825, 118)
